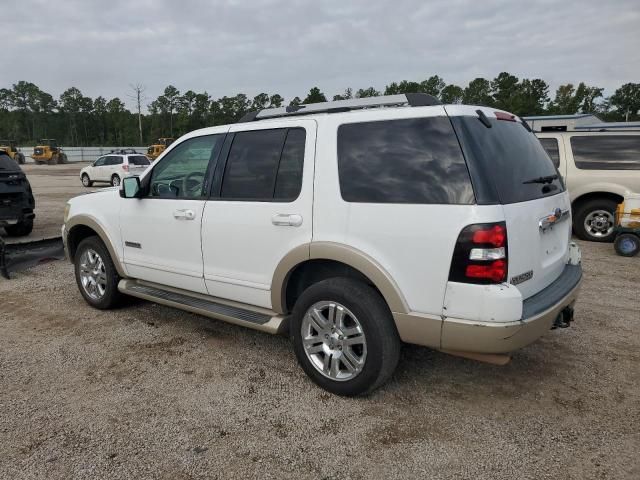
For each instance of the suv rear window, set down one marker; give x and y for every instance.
(138, 160)
(502, 158)
(550, 146)
(606, 152)
(416, 160)
(7, 163)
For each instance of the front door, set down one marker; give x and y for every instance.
(161, 232)
(260, 210)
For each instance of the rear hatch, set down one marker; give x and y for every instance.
(509, 166)
(138, 164)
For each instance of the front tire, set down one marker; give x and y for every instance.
(627, 245)
(86, 181)
(595, 220)
(21, 229)
(344, 336)
(115, 181)
(96, 274)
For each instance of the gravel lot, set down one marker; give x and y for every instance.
(151, 392)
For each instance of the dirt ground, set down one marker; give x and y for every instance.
(151, 392)
(52, 186)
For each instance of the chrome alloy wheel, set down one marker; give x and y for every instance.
(93, 274)
(599, 223)
(334, 340)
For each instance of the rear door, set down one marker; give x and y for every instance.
(512, 165)
(260, 210)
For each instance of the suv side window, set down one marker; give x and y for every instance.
(606, 152)
(113, 160)
(183, 171)
(551, 147)
(100, 162)
(265, 164)
(416, 160)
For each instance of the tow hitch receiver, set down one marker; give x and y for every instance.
(564, 318)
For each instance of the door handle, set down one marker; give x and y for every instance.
(286, 220)
(184, 214)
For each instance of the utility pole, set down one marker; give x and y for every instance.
(138, 96)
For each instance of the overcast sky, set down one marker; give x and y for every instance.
(286, 47)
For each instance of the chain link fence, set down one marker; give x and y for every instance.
(81, 154)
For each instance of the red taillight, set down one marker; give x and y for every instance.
(496, 271)
(125, 168)
(496, 236)
(480, 255)
(505, 116)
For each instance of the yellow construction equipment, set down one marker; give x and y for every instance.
(49, 152)
(10, 147)
(156, 149)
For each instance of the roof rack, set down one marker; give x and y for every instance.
(404, 99)
(123, 151)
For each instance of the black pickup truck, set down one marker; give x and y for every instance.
(16, 199)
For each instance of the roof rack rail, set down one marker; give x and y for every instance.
(123, 151)
(404, 99)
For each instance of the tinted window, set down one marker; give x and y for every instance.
(138, 160)
(113, 160)
(252, 164)
(550, 145)
(7, 163)
(502, 158)
(607, 152)
(414, 160)
(289, 180)
(182, 171)
(100, 162)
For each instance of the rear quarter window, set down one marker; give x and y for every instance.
(138, 160)
(606, 152)
(417, 161)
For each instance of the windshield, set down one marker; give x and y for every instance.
(508, 161)
(7, 164)
(139, 160)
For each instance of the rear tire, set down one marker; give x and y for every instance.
(347, 322)
(595, 220)
(63, 158)
(115, 181)
(53, 160)
(86, 181)
(627, 245)
(21, 159)
(96, 276)
(21, 229)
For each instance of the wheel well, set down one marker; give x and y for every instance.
(310, 272)
(578, 202)
(76, 235)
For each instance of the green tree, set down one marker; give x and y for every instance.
(533, 96)
(626, 100)
(505, 89)
(315, 96)
(367, 92)
(260, 102)
(451, 94)
(478, 92)
(432, 85)
(348, 94)
(295, 102)
(275, 101)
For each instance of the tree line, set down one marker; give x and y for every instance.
(28, 113)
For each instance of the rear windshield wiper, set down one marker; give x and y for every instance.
(547, 179)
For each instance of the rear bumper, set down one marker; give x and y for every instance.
(539, 314)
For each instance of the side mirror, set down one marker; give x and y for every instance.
(130, 187)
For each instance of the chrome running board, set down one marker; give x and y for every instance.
(232, 312)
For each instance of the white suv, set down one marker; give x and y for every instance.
(351, 225)
(601, 165)
(112, 168)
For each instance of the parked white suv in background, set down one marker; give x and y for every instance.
(353, 225)
(112, 168)
(600, 165)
